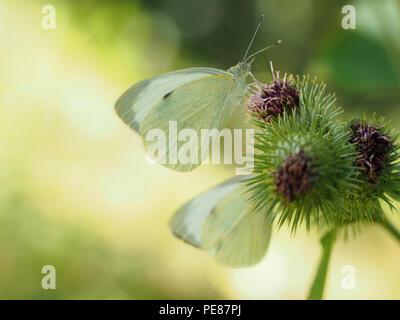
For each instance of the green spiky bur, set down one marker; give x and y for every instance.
(354, 168)
(363, 205)
(310, 127)
(340, 195)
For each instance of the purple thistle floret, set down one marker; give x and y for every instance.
(374, 148)
(271, 100)
(294, 176)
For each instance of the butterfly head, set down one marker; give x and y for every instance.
(241, 70)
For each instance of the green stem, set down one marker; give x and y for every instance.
(391, 229)
(317, 288)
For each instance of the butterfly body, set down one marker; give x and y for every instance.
(239, 73)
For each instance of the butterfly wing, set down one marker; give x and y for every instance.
(206, 103)
(133, 106)
(222, 222)
(187, 223)
(234, 234)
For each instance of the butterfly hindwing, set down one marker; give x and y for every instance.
(234, 234)
(187, 223)
(222, 222)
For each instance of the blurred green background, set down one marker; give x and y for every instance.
(76, 190)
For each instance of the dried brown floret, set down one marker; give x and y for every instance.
(270, 101)
(373, 147)
(294, 177)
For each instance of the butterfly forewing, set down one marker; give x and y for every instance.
(133, 106)
(198, 105)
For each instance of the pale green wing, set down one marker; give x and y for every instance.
(234, 234)
(138, 100)
(187, 223)
(222, 222)
(202, 104)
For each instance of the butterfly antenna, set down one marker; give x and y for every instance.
(264, 49)
(254, 35)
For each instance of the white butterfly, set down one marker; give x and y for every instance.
(197, 98)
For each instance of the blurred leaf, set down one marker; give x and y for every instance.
(359, 63)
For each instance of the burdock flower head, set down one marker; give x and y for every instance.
(378, 171)
(270, 101)
(304, 161)
(373, 146)
(293, 179)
